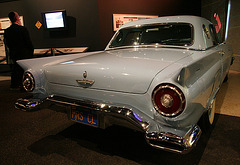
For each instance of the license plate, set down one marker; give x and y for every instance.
(84, 116)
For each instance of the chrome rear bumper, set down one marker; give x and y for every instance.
(118, 115)
(171, 142)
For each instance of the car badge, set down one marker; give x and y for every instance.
(85, 74)
(84, 82)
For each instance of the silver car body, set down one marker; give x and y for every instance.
(119, 82)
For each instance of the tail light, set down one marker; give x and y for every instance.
(28, 82)
(168, 100)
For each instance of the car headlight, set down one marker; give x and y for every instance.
(168, 100)
(28, 82)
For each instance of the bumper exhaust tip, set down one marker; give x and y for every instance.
(25, 104)
(174, 143)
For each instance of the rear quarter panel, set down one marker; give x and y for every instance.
(198, 76)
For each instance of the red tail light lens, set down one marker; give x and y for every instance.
(28, 82)
(168, 100)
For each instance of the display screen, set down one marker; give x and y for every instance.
(55, 20)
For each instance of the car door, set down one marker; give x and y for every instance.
(224, 52)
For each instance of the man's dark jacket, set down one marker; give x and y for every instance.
(18, 41)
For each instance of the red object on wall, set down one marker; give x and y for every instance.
(219, 25)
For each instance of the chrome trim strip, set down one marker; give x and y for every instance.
(155, 46)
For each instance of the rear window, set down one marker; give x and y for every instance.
(178, 34)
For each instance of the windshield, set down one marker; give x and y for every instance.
(178, 34)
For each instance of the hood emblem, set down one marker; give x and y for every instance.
(84, 82)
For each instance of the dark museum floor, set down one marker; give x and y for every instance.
(48, 137)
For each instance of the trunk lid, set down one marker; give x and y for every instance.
(123, 70)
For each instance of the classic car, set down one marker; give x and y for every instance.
(159, 76)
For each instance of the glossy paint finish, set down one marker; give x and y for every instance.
(127, 70)
(127, 77)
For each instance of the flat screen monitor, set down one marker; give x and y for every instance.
(55, 19)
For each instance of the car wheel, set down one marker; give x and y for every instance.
(207, 119)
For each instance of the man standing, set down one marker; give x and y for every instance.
(18, 41)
